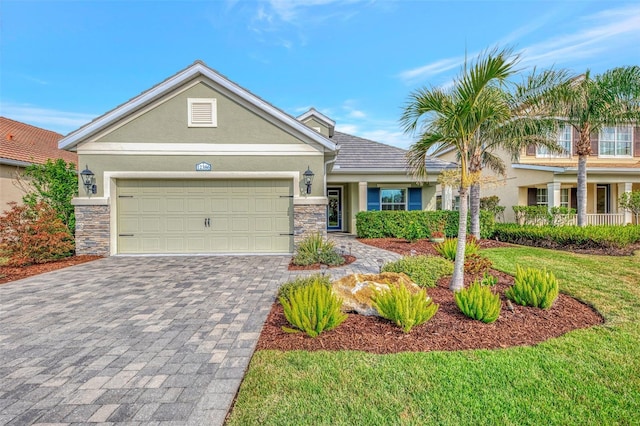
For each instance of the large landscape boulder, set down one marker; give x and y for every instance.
(356, 290)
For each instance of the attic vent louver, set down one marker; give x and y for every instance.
(202, 112)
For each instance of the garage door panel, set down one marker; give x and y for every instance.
(150, 224)
(204, 216)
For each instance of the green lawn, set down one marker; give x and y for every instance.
(585, 377)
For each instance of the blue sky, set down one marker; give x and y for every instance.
(65, 63)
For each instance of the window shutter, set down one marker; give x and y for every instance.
(636, 141)
(574, 198)
(201, 113)
(531, 149)
(415, 199)
(576, 140)
(373, 199)
(532, 197)
(594, 138)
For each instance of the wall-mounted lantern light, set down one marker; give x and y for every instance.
(308, 179)
(88, 179)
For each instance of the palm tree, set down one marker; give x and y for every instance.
(455, 118)
(590, 103)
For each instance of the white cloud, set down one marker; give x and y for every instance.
(58, 121)
(605, 31)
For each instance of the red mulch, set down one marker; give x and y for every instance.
(448, 330)
(424, 246)
(8, 273)
(316, 266)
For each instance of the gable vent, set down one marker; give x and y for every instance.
(202, 112)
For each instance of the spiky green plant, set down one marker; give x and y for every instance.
(447, 248)
(406, 310)
(479, 303)
(312, 308)
(533, 287)
(286, 288)
(316, 249)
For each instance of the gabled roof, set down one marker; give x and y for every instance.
(359, 154)
(156, 92)
(331, 125)
(23, 143)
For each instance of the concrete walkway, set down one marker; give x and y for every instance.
(143, 340)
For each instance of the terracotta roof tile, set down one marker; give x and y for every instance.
(23, 142)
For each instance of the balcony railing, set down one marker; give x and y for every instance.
(593, 219)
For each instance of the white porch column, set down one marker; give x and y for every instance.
(553, 194)
(625, 187)
(362, 197)
(447, 197)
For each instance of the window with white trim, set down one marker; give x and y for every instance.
(564, 197)
(564, 141)
(393, 199)
(615, 141)
(202, 112)
(542, 198)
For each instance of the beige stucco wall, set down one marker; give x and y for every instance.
(8, 190)
(313, 123)
(167, 122)
(187, 163)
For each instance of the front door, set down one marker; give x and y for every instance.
(334, 209)
(602, 199)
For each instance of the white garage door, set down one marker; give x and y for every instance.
(204, 216)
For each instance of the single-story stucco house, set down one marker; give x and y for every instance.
(198, 164)
(22, 145)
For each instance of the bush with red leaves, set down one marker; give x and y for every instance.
(33, 234)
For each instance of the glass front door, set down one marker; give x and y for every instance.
(602, 199)
(334, 209)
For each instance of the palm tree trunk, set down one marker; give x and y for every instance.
(582, 190)
(474, 194)
(457, 280)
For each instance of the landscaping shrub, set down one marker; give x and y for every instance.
(489, 280)
(479, 303)
(423, 270)
(312, 308)
(35, 234)
(406, 310)
(316, 249)
(415, 224)
(541, 215)
(588, 237)
(533, 287)
(475, 264)
(285, 289)
(447, 248)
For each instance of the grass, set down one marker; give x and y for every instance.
(587, 376)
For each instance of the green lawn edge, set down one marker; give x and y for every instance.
(589, 376)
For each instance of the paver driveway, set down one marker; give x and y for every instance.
(140, 339)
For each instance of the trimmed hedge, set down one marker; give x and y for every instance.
(415, 224)
(575, 236)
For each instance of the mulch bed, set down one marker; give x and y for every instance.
(316, 266)
(8, 273)
(448, 330)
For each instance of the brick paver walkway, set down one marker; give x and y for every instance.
(144, 340)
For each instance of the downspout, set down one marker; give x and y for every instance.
(326, 163)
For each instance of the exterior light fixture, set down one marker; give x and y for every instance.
(323, 269)
(308, 179)
(380, 264)
(88, 179)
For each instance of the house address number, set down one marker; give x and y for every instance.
(203, 167)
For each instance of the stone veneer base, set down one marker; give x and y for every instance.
(308, 219)
(92, 229)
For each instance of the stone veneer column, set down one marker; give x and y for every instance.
(92, 229)
(308, 219)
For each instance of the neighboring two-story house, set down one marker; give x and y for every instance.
(548, 179)
(22, 145)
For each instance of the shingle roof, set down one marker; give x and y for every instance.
(357, 153)
(30, 144)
